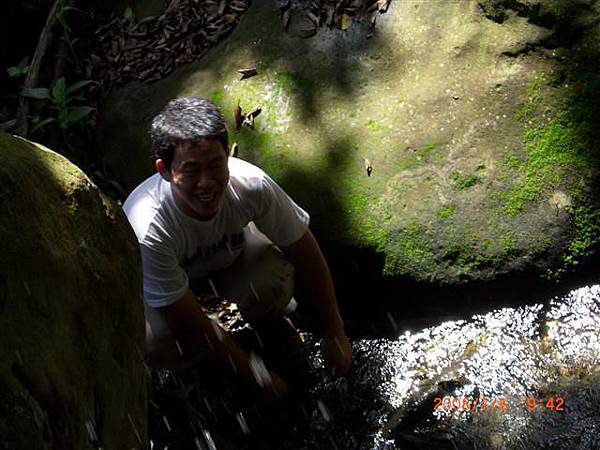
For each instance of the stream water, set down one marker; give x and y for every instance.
(525, 377)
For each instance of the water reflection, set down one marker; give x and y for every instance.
(524, 377)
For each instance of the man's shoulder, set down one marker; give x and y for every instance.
(143, 204)
(245, 176)
(239, 168)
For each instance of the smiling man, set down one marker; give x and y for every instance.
(208, 217)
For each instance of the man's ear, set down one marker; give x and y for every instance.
(161, 167)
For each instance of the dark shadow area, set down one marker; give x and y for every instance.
(374, 306)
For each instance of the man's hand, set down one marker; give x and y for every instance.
(337, 353)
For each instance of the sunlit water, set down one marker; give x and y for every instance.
(524, 377)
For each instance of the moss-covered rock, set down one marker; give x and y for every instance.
(71, 311)
(479, 119)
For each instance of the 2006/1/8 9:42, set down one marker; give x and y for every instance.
(496, 403)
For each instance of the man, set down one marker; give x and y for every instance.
(202, 217)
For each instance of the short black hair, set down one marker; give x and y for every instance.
(186, 119)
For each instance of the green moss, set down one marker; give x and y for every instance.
(445, 212)
(464, 182)
(512, 162)
(293, 84)
(412, 254)
(551, 152)
(586, 219)
(374, 126)
(217, 97)
(508, 243)
(532, 96)
(417, 157)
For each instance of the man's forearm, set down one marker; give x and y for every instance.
(197, 335)
(314, 287)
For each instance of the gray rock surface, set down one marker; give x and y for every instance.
(71, 312)
(478, 118)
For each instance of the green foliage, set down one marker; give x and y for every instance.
(445, 212)
(466, 182)
(20, 69)
(67, 31)
(60, 99)
(128, 14)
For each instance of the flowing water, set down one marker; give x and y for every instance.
(526, 377)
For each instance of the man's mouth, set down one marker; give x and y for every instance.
(206, 198)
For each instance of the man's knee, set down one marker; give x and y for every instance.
(270, 287)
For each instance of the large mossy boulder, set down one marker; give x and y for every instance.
(480, 119)
(71, 310)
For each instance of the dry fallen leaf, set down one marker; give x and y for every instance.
(255, 112)
(285, 18)
(368, 166)
(306, 33)
(247, 73)
(239, 117)
(346, 22)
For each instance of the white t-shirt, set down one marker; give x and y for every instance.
(176, 247)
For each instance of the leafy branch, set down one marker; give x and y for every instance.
(61, 98)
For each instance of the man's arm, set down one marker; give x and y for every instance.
(316, 293)
(196, 333)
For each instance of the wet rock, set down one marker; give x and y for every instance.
(71, 316)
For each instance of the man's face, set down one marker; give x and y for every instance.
(199, 176)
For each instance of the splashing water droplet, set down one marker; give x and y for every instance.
(91, 429)
(209, 440)
(243, 424)
(178, 347)
(259, 370)
(167, 423)
(137, 434)
(392, 321)
(324, 411)
(213, 287)
(217, 330)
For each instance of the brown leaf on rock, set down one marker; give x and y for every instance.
(238, 116)
(345, 22)
(306, 32)
(314, 18)
(255, 112)
(247, 73)
(228, 18)
(285, 18)
(368, 166)
(222, 5)
(383, 5)
(248, 122)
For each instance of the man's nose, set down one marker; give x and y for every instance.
(205, 178)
